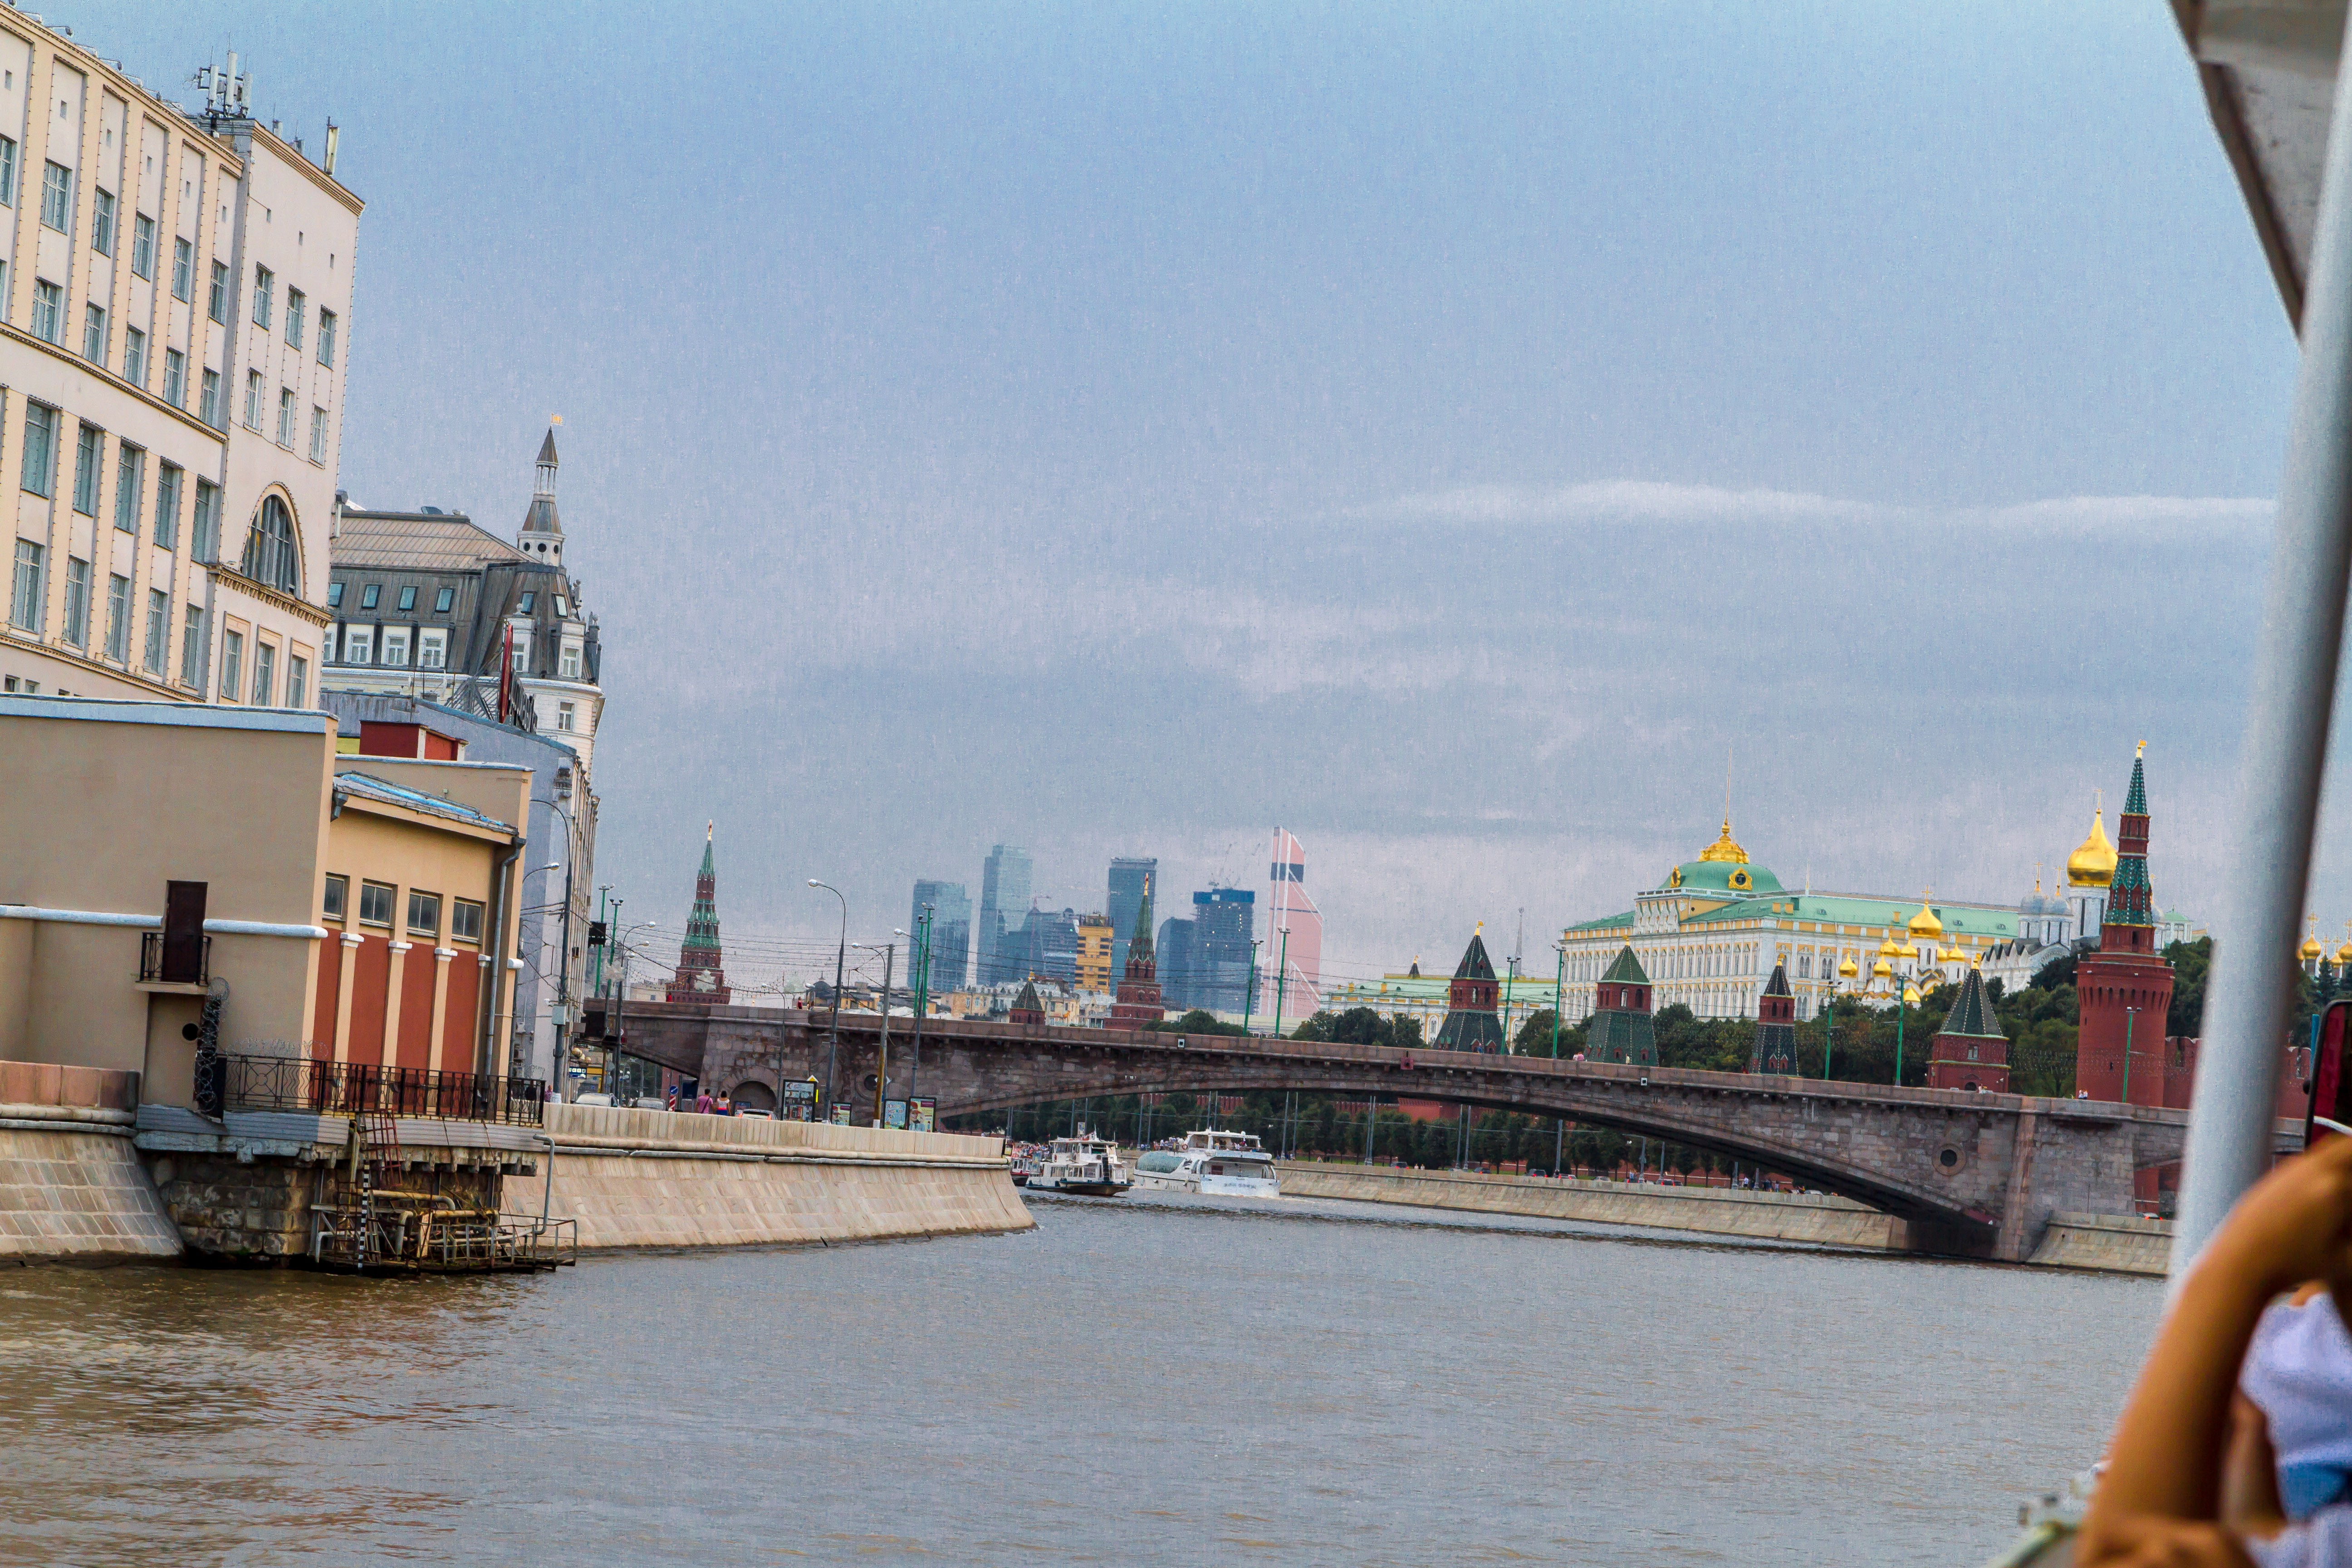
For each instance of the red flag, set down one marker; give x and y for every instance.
(506, 677)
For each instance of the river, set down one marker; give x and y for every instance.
(1145, 1380)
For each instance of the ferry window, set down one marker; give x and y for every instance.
(375, 903)
(338, 890)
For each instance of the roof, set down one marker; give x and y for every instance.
(1723, 876)
(1844, 909)
(1626, 971)
(1972, 1015)
(547, 448)
(1475, 964)
(2269, 76)
(185, 715)
(369, 787)
(416, 542)
(1779, 985)
(1606, 922)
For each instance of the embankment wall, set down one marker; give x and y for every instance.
(72, 1189)
(653, 1178)
(2114, 1244)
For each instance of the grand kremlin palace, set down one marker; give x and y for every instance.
(1709, 937)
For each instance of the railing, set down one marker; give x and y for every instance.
(303, 1083)
(150, 961)
(396, 1232)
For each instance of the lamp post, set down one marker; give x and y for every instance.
(1249, 989)
(1559, 1005)
(920, 956)
(561, 1057)
(840, 953)
(1281, 979)
(888, 950)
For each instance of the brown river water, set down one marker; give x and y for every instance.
(1137, 1381)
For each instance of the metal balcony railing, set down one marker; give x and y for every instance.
(150, 962)
(345, 1088)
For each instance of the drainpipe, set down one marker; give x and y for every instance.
(501, 896)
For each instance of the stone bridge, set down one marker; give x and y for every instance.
(1974, 1174)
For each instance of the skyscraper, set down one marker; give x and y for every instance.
(1003, 904)
(950, 933)
(1293, 936)
(1178, 952)
(1129, 874)
(1217, 971)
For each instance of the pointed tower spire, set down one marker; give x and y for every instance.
(1471, 1023)
(1137, 1002)
(1621, 1029)
(2130, 901)
(1775, 1050)
(542, 535)
(701, 965)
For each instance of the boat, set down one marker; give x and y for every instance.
(1084, 1164)
(1024, 1166)
(1221, 1163)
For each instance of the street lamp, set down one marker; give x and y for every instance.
(882, 1054)
(840, 953)
(559, 1058)
(919, 960)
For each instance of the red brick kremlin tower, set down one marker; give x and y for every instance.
(2125, 989)
(1970, 1051)
(1138, 999)
(1776, 1028)
(701, 970)
(1471, 1024)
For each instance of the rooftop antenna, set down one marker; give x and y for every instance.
(334, 136)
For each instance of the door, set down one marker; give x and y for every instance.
(184, 933)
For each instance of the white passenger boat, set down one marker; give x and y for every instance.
(1228, 1164)
(1082, 1164)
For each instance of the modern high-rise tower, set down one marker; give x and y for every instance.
(950, 933)
(1003, 905)
(1294, 933)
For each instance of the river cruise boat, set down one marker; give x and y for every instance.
(1083, 1164)
(1223, 1164)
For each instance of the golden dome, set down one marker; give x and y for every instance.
(1911, 996)
(2094, 864)
(1846, 971)
(2312, 949)
(1723, 848)
(1924, 923)
(2344, 956)
(1881, 970)
(1887, 948)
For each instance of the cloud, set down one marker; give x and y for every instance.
(1646, 500)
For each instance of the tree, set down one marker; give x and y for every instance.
(1199, 1021)
(1405, 1030)
(1534, 1038)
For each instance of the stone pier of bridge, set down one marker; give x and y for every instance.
(1967, 1173)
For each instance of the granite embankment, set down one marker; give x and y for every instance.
(71, 1186)
(653, 1178)
(2074, 1241)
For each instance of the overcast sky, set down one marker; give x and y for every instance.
(1447, 432)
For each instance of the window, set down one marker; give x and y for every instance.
(93, 334)
(317, 434)
(253, 400)
(465, 920)
(563, 607)
(358, 646)
(285, 416)
(369, 595)
(522, 653)
(206, 533)
(232, 680)
(175, 378)
(407, 599)
(56, 197)
(134, 356)
(216, 306)
(118, 618)
(265, 283)
(294, 319)
(327, 339)
(567, 664)
(7, 171)
(326, 641)
(101, 223)
(142, 246)
(334, 596)
(264, 672)
(159, 626)
(564, 717)
(40, 448)
(208, 402)
(76, 601)
(375, 904)
(28, 604)
(271, 556)
(49, 311)
(298, 681)
(395, 647)
(524, 605)
(424, 914)
(191, 650)
(130, 479)
(87, 449)
(432, 648)
(184, 269)
(331, 902)
(443, 600)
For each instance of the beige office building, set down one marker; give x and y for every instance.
(175, 292)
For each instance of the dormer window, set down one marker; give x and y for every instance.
(522, 605)
(563, 607)
(408, 599)
(369, 595)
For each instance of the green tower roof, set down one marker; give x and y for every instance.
(1627, 969)
(1972, 1015)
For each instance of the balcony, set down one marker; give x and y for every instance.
(345, 1088)
(158, 973)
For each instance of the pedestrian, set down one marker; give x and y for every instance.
(702, 1103)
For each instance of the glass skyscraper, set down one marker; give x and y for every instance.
(1128, 876)
(1003, 905)
(950, 933)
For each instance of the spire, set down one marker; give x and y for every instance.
(542, 535)
(2130, 901)
(1137, 1001)
(1775, 1049)
(701, 965)
(1471, 1023)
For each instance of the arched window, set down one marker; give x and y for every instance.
(271, 558)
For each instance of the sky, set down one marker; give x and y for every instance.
(1463, 435)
